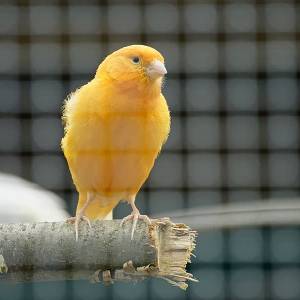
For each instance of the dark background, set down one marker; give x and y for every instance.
(233, 90)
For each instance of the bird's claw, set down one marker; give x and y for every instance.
(135, 216)
(75, 220)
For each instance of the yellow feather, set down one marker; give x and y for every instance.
(115, 127)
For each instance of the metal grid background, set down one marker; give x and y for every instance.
(233, 89)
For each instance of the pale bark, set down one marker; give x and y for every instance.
(48, 251)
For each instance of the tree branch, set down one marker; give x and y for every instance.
(270, 212)
(48, 251)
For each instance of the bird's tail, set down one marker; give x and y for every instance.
(97, 209)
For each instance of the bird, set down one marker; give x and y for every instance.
(27, 202)
(114, 129)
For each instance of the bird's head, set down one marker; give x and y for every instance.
(136, 66)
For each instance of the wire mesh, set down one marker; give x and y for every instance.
(233, 90)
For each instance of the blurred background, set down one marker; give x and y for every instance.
(233, 90)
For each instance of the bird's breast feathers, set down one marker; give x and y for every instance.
(111, 148)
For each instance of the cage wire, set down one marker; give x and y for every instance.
(233, 91)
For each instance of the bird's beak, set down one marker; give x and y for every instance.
(156, 69)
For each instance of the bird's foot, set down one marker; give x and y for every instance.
(75, 220)
(135, 216)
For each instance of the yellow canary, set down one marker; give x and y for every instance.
(115, 126)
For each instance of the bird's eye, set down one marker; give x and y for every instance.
(135, 59)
